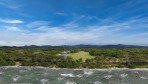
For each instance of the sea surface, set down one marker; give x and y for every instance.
(36, 75)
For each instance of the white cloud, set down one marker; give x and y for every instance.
(11, 21)
(61, 14)
(114, 33)
(36, 24)
(12, 28)
(11, 4)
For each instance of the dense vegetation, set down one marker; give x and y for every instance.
(101, 57)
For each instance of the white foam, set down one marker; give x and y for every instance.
(22, 71)
(137, 72)
(97, 82)
(79, 75)
(123, 75)
(72, 75)
(60, 78)
(108, 76)
(68, 75)
(88, 73)
(1, 72)
(45, 73)
(44, 81)
(142, 77)
(15, 78)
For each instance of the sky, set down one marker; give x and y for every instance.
(73, 22)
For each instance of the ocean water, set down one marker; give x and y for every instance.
(32, 75)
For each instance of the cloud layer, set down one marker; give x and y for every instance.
(11, 21)
(72, 33)
(98, 22)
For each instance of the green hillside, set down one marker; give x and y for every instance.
(81, 54)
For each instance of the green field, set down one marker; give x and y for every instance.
(81, 54)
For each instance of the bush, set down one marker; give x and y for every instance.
(131, 66)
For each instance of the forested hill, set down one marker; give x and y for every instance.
(78, 46)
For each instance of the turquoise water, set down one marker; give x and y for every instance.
(14, 75)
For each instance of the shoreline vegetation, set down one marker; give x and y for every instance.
(53, 68)
(75, 58)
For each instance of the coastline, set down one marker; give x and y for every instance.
(54, 68)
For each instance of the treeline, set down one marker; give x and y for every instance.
(115, 57)
(104, 58)
(28, 56)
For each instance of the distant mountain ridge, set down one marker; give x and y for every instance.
(78, 46)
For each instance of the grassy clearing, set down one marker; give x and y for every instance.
(81, 54)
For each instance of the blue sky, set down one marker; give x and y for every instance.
(72, 22)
